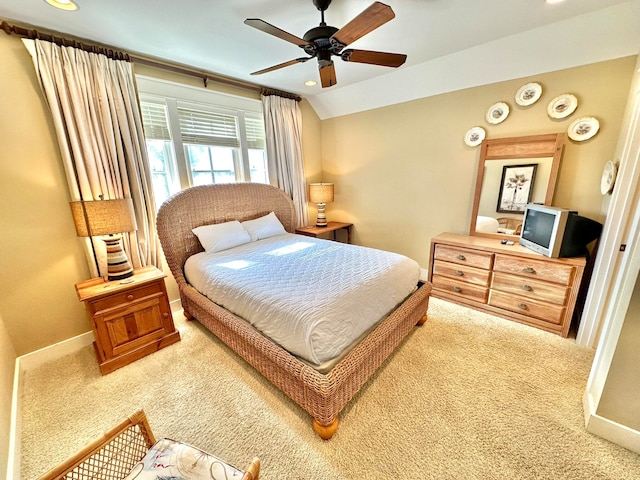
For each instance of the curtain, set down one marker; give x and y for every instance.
(94, 107)
(283, 130)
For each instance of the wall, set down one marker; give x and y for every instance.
(42, 257)
(403, 173)
(619, 400)
(7, 368)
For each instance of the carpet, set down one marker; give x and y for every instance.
(466, 396)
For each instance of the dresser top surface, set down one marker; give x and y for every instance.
(494, 245)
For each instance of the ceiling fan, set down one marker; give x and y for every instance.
(324, 41)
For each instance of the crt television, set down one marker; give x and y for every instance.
(557, 232)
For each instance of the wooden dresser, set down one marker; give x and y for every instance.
(506, 280)
(129, 320)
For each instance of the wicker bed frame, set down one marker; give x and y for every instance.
(323, 396)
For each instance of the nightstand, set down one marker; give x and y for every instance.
(129, 320)
(331, 227)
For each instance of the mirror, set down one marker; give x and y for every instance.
(511, 173)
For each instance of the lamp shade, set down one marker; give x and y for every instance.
(321, 192)
(103, 217)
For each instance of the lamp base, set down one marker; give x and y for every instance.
(321, 219)
(118, 265)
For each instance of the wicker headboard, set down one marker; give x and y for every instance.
(209, 204)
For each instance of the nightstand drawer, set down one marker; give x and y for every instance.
(118, 300)
(540, 269)
(476, 276)
(462, 256)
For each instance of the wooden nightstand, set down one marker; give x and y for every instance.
(331, 227)
(129, 320)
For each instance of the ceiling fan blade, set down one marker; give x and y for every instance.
(275, 31)
(375, 58)
(375, 15)
(282, 65)
(328, 75)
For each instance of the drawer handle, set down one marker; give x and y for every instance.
(529, 270)
(165, 315)
(523, 306)
(459, 273)
(461, 257)
(129, 297)
(456, 289)
(527, 288)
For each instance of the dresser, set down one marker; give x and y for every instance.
(130, 319)
(510, 281)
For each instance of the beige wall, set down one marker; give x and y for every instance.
(403, 173)
(42, 258)
(7, 368)
(619, 400)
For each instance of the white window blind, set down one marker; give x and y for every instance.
(255, 131)
(207, 128)
(154, 119)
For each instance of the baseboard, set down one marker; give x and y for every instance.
(15, 429)
(608, 429)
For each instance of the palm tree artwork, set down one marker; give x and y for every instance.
(516, 187)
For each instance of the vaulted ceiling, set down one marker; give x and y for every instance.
(450, 44)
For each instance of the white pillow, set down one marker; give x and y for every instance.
(264, 227)
(221, 236)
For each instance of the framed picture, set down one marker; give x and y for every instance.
(516, 187)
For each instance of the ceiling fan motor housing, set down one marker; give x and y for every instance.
(319, 37)
(322, 5)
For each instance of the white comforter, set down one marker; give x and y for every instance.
(312, 297)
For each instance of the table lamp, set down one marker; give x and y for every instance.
(321, 194)
(109, 218)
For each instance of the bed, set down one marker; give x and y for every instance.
(323, 394)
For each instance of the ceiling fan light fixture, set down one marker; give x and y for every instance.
(63, 4)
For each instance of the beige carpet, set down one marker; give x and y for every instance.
(467, 396)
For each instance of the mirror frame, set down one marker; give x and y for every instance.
(534, 146)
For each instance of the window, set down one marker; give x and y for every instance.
(198, 137)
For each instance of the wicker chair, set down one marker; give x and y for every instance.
(112, 455)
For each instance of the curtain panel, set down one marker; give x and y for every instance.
(94, 108)
(283, 130)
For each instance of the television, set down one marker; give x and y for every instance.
(557, 232)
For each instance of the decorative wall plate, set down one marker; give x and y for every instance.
(497, 113)
(528, 94)
(609, 174)
(583, 129)
(474, 136)
(562, 106)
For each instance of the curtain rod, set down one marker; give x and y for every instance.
(141, 60)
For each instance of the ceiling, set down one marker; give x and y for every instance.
(451, 44)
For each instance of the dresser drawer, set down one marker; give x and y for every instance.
(516, 303)
(530, 288)
(463, 256)
(460, 288)
(540, 269)
(464, 273)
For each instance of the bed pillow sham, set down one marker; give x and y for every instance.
(264, 227)
(221, 236)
